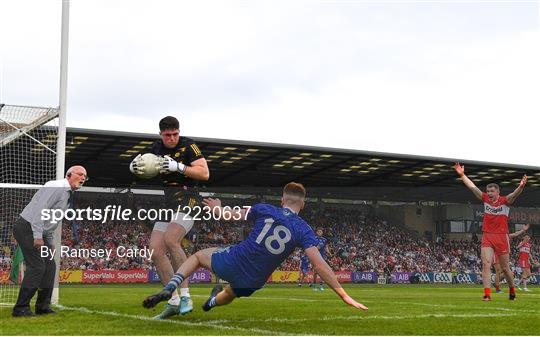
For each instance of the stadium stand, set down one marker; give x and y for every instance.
(358, 241)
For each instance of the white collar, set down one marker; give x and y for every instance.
(59, 183)
(65, 183)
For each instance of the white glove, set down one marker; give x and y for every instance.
(137, 165)
(170, 165)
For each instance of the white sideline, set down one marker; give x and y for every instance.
(169, 321)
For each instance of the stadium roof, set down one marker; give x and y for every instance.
(261, 168)
(329, 171)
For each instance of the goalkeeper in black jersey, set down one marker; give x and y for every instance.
(183, 166)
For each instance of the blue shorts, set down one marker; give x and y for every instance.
(225, 269)
(305, 269)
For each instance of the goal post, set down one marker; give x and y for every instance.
(32, 152)
(61, 141)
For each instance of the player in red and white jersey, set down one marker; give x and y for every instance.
(525, 247)
(495, 240)
(499, 276)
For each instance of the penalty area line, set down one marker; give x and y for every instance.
(170, 321)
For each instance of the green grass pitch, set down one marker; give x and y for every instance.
(284, 310)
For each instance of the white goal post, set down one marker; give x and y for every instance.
(32, 152)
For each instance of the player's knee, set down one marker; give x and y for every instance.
(202, 256)
(172, 243)
(158, 253)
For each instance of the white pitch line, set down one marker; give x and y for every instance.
(475, 308)
(362, 318)
(510, 309)
(428, 304)
(169, 321)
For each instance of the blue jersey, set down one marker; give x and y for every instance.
(276, 233)
(321, 244)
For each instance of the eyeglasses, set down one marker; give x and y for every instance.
(80, 174)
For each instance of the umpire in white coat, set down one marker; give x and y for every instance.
(32, 232)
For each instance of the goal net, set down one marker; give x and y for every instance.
(28, 137)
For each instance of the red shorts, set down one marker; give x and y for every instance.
(499, 242)
(525, 264)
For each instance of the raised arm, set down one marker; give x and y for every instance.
(198, 170)
(519, 232)
(460, 170)
(323, 269)
(513, 196)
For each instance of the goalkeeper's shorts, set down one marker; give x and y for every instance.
(184, 198)
(179, 219)
(183, 203)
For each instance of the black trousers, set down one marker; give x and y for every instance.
(40, 271)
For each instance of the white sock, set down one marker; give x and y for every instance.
(175, 299)
(184, 292)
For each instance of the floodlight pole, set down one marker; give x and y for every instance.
(61, 142)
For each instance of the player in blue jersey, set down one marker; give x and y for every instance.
(304, 268)
(277, 231)
(323, 249)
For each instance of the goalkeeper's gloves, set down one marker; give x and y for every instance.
(137, 165)
(170, 165)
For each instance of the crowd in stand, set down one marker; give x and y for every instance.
(357, 240)
(362, 243)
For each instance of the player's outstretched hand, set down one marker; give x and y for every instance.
(153, 300)
(212, 203)
(348, 299)
(523, 181)
(460, 169)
